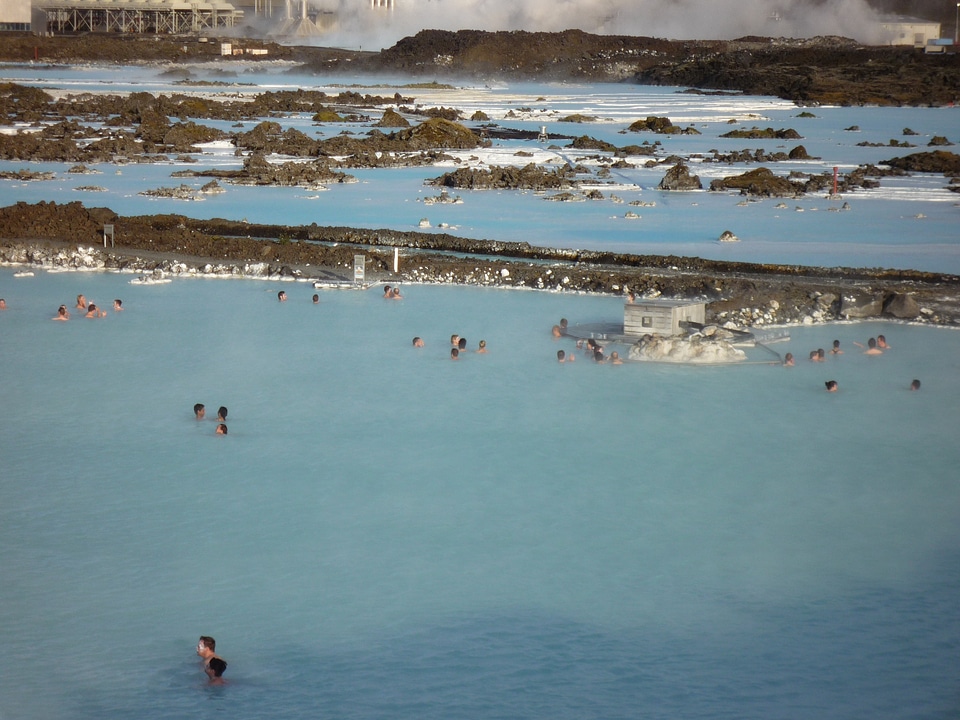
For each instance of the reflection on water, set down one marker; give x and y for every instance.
(385, 531)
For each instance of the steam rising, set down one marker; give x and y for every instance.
(359, 25)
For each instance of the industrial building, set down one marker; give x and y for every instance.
(169, 17)
(903, 31)
(15, 15)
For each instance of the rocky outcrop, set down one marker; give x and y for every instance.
(529, 177)
(679, 178)
(936, 161)
(696, 349)
(901, 305)
(760, 182)
(856, 306)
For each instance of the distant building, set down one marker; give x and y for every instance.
(15, 15)
(660, 317)
(909, 32)
(162, 17)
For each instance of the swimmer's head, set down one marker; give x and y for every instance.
(222, 413)
(483, 344)
(418, 341)
(561, 356)
(281, 296)
(221, 429)
(199, 410)
(462, 343)
(316, 298)
(216, 667)
(831, 385)
(206, 643)
(454, 354)
(915, 385)
(871, 343)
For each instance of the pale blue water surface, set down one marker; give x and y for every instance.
(387, 533)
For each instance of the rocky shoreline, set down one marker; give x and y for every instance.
(808, 71)
(743, 295)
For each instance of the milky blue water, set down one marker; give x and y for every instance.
(387, 533)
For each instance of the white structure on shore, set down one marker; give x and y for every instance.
(14, 15)
(165, 17)
(904, 31)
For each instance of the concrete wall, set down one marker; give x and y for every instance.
(14, 11)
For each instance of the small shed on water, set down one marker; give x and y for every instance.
(661, 317)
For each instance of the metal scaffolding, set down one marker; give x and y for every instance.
(163, 17)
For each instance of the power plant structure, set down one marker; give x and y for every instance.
(285, 18)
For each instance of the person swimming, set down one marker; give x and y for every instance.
(221, 414)
(561, 356)
(483, 346)
(282, 296)
(915, 385)
(62, 313)
(418, 341)
(835, 350)
(215, 669)
(81, 302)
(832, 385)
(117, 305)
(788, 360)
(221, 429)
(316, 299)
(454, 353)
(199, 411)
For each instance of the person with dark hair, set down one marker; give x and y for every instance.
(561, 356)
(215, 669)
(872, 348)
(836, 348)
(915, 385)
(221, 414)
(387, 292)
(454, 354)
(316, 299)
(615, 358)
(213, 664)
(882, 342)
(832, 385)
(282, 296)
(94, 312)
(62, 313)
(117, 305)
(462, 344)
(418, 341)
(3, 304)
(199, 411)
(221, 429)
(788, 360)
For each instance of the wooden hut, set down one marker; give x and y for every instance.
(660, 317)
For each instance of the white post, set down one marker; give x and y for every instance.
(396, 259)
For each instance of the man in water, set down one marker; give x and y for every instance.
(316, 299)
(3, 304)
(418, 341)
(915, 385)
(199, 411)
(117, 305)
(454, 354)
(62, 314)
(282, 296)
(561, 356)
(213, 664)
(832, 385)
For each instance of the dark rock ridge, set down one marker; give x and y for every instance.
(824, 70)
(743, 294)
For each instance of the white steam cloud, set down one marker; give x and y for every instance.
(359, 25)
